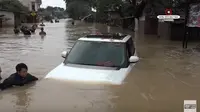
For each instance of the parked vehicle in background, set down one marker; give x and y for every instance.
(57, 21)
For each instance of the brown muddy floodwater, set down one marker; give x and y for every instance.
(165, 76)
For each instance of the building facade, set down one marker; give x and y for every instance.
(33, 5)
(7, 19)
(10, 13)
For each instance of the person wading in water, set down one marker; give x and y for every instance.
(42, 32)
(0, 73)
(20, 78)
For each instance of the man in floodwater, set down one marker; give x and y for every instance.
(73, 22)
(25, 30)
(33, 28)
(42, 32)
(16, 30)
(20, 78)
(0, 73)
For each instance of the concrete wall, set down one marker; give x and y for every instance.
(163, 28)
(11, 21)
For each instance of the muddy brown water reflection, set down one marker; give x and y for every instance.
(165, 76)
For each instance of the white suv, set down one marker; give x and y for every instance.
(98, 58)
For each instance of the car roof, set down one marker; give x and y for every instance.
(118, 38)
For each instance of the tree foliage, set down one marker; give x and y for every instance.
(13, 6)
(89, 2)
(78, 9)
(50, 13)
(128, 7)
(157, 7)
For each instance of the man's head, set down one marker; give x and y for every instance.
(22, 69)
(42, 29)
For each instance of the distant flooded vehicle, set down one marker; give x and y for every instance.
(42, 24)
(57, 21)
(98, 58)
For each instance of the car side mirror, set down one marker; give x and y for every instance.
(64, 54)
(133, 59)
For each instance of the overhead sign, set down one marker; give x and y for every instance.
(168, 16)
(33, 14)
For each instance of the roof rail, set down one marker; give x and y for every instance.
(107, 35)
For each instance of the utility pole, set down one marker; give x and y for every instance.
(186, 33)
(33, 14)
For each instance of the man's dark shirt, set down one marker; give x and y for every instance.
(42, 33)
(17, 80)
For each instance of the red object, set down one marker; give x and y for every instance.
(168, 11)
(198, 21)
(107, 64)
(98, 33)
(100, 64)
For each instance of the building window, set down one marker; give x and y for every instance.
(33, 6)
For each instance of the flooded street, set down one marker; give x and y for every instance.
(165, 76)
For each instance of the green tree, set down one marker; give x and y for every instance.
(81, 8)
(13, 6)
(157, 7)
(78, 9)
(50, 8)
(50, 13)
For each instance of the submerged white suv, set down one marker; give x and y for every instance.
(102, 58)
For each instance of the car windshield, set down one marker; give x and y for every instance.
(97, 54)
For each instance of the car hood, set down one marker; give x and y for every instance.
(88, 74)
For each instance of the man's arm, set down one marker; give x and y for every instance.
(33, 78)
(7, 83)
(30, 78)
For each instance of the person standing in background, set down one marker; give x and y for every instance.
(0, 73)
(16, 30)
(42, 33)
(20, 78)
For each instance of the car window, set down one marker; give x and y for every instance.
(98, 54)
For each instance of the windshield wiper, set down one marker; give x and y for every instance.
(113, 66)
(81, 64)
(94, 65)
